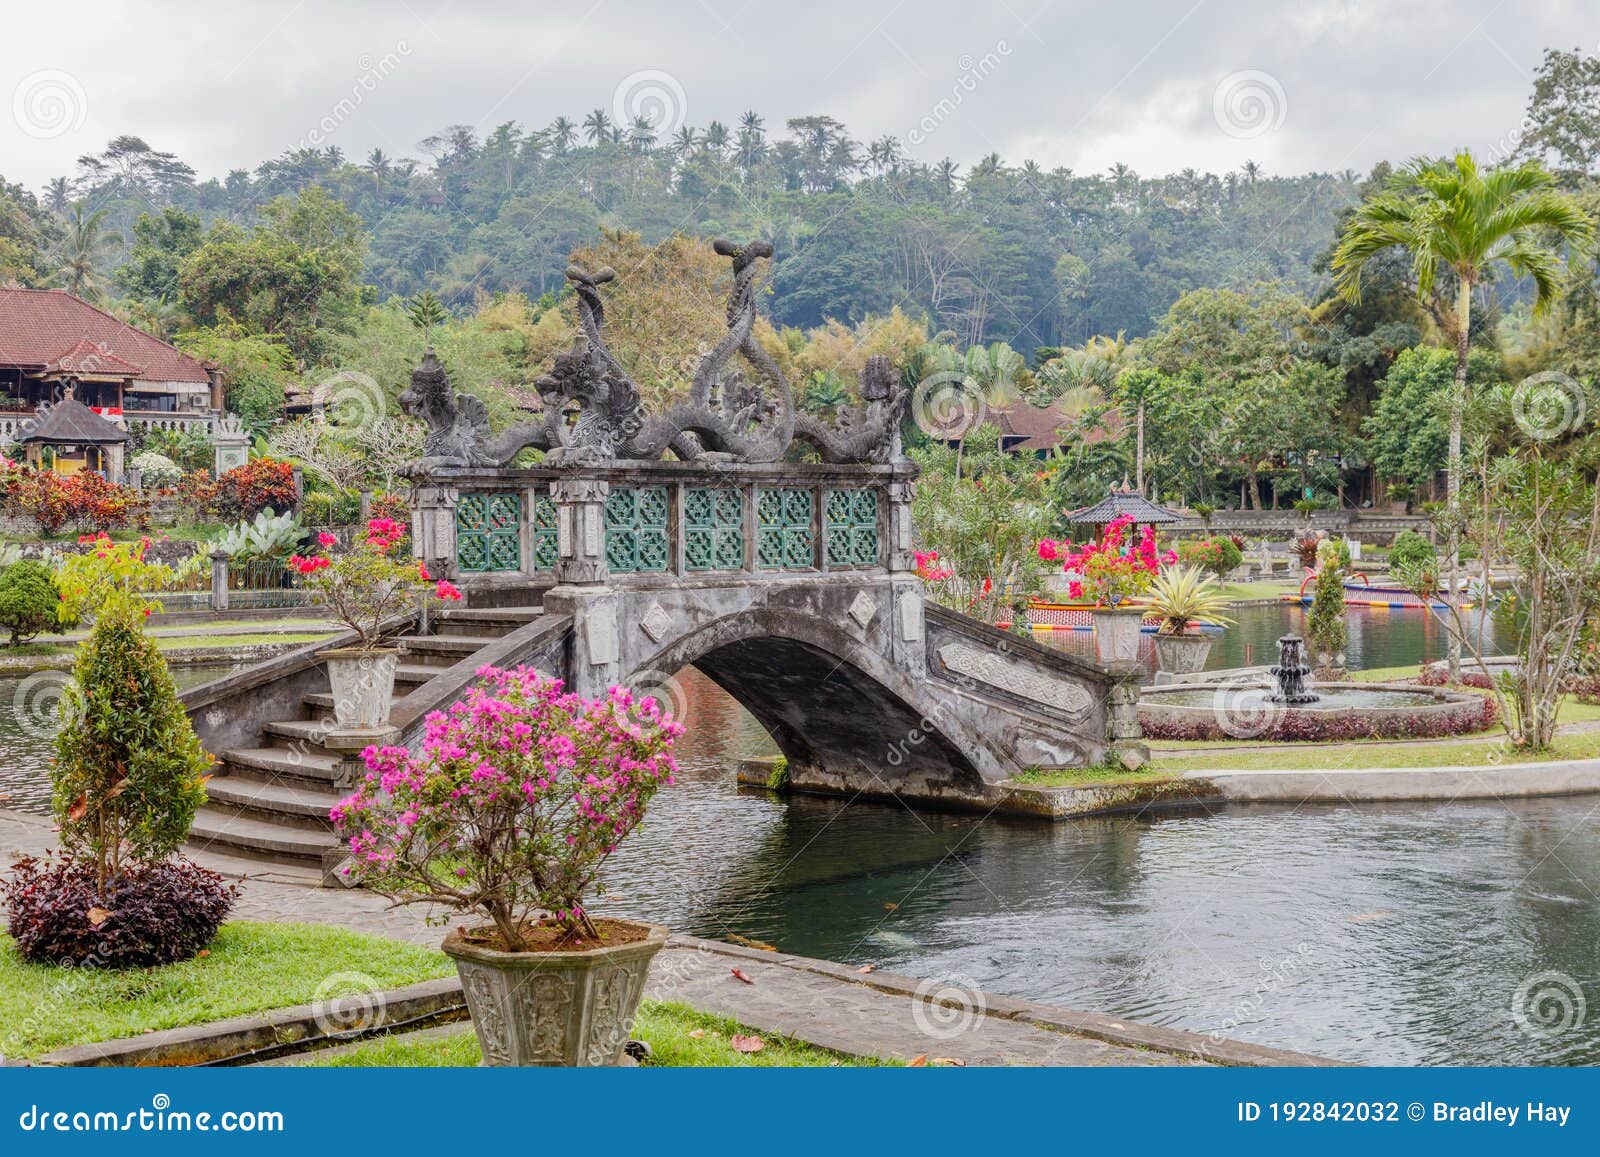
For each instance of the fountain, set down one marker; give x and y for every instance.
(1245, 706)
(1290, 673)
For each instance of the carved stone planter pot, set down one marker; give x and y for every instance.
(363, 684)
(554, 1008)
(1182, 654)
(1116, 634)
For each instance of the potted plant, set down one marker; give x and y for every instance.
(1112, 573)
(1185, 598)
(366, 588)
(1399, 495)
(521, 792)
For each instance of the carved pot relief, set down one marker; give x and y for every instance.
(554, 1008)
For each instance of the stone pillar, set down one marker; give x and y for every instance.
(583, 587)
(231, 443)
(219, 581)
(1125, 734)
(899, 557)
(433, 528)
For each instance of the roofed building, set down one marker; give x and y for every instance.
(55, 346)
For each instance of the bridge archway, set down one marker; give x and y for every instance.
(837, 710)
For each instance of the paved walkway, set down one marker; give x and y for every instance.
(825, 1004)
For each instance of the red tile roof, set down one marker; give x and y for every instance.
(41, 326)
(1040, 427)
(88, 359)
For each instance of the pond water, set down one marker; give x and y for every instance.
(28, 714)
(1383, 934)
(1378, 638)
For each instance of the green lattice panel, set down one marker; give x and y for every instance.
(636, 530)
(784, 534)
(850, 527)
(488, 532)
(546, 541)
(713, 530)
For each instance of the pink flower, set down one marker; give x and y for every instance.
(327, 539)
(447, 590)
(1047, 550)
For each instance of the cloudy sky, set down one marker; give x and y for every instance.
(1295, 84)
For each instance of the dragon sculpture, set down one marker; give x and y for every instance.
(726, 415)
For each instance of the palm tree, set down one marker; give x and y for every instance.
(642, 134)
(1448, 212)
(683, 142)
(716, 138)
(563, 134)
(597, 127)
(58, 195)
(378, 166)
(81, 249)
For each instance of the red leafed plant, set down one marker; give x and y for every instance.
(246, 490)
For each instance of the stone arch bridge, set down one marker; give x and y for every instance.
(791, 584)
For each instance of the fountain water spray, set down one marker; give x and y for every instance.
(1291, 671)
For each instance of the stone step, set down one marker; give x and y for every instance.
(454, 646)
(321, 702)
(411, 674)
(312, 765)
(272, 800)
(261, 839)
(518, 615)
(310, 731)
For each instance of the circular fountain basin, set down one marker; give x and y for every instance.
(1342, 711)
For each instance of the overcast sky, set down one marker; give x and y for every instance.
(1295, 85)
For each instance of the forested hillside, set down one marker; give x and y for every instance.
(994, 251)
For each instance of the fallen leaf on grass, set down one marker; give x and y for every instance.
(98, 916)
(746, 1044)
(696, 1034)
(738, 975)
(204, 952)
(867, 968)
(920, 1061)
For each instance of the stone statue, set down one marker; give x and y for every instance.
(458, 425)
(726, 416)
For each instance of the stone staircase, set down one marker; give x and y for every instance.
(270, 802)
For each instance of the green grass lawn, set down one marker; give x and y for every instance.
(249, 968)
(666, 1025)
(1348, 756)
(1080, 776)
(1260, 589)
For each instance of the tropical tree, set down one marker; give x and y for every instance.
(1450, 215)
(86, 244)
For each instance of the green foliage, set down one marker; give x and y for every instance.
(128, 771)
(1185, 595)
(161, 240)
(1407, 433)
(426, 312)
(268, 536)
(985, 518)
(259, 368)
(1326, 630)
(1411, 550)
(28, 600)
(1216, 554)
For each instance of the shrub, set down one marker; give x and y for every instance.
(60, 913)
(53, 500)
(28, 599)
(245, 490)
(520, 795)
(1412, 551)
(129, 771)
(1585, 689)
(316, 508)
(1218, 555)
(1305, 548)
(370, 583)
(156, 471)
(1479, 714)
(1326, 629)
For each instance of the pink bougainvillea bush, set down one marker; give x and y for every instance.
(1113, 570)
(520, 794)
